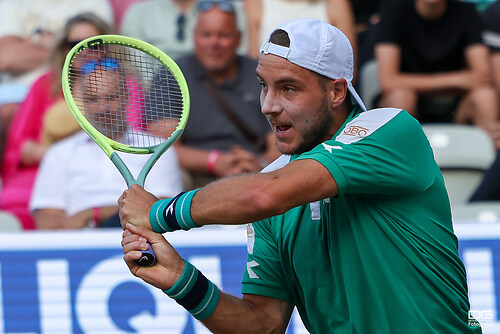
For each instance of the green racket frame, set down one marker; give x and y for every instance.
(110, 146)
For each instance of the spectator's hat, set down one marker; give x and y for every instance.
(319, 47)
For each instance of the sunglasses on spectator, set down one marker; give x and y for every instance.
(106, 63)
(224, 6)
(181, 24)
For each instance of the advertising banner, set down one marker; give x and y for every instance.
(77, 281)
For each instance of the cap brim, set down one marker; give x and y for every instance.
(355, 96)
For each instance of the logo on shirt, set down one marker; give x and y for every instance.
(356, 131)
(330, 148)
(250, 271)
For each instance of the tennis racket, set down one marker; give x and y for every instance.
(128, 96)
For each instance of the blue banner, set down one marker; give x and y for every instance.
(77, 282)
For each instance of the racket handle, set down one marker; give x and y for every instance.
(148, 257)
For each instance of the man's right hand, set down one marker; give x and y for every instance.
(135, 204)
(169, 265)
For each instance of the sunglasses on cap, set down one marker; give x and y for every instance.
(106, 63)
(224, 6)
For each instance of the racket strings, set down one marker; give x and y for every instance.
(126, 94)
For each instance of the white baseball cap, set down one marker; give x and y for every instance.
(320, 47)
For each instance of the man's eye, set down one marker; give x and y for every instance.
(289, 89)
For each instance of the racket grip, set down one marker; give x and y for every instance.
(148, 257)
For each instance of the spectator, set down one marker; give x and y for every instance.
(27, 30)
(491, 36)
(120, 7)
(24, 149)
(352, 226)
(169, 24)
(366, 15)
(432, 62)
(221, 82)
(489, 188)
(77, 184)
(263, 17)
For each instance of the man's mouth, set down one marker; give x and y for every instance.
(282, 128)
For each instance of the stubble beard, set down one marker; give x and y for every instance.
(315, 134)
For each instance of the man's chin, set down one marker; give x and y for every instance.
(287, 149)
(214, 67)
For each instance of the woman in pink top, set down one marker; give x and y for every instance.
(24, 149)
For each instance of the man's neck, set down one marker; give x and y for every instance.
(226, 74)
(339, 119)
(431, 11)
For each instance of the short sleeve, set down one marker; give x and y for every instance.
(383, 151)
(264, 275)
(491, 22)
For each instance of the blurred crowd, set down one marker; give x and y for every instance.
(437, 59)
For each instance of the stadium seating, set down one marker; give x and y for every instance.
(369, 86)
(480, 212)
(464, 153)
(9, 222)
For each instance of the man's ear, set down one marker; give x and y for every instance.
(338, 92)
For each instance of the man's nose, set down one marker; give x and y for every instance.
(270, 104)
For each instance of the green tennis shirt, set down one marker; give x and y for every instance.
(381, 257)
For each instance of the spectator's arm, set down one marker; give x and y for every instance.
(220, 165)
(253, 10)
(22, 55)
(480, 68)
(57, 219)
(495, 61)
(388, 57)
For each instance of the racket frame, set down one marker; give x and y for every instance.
(108, 145)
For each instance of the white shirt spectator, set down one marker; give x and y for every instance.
(76, 175)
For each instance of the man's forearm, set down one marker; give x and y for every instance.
(192, 290)
(232, 200)
(252, 197)
(426, 83)
(235, 200)
(240, 315)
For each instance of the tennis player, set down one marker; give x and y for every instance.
(352, 225)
